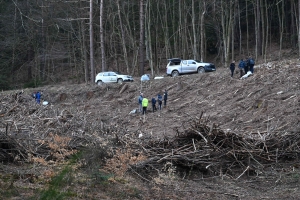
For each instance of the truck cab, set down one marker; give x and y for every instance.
(177, 66)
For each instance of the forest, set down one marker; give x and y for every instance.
(52, 41)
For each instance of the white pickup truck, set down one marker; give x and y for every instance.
(176, 67)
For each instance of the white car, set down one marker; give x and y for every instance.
(177, 66)
(112, 77)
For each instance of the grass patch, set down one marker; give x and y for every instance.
(127, 193)
(60, 181)
(101, 177)
(6, 193)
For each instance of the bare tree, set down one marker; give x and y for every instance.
(299, 27)
(142, 37)
(227, 23)
(202, 31)
(195, 42)
(240, 30)
(280, 12)
(123, 42)
(103, 60)
(258, 29)
(92, 42)
(266, 30)
(148, 36)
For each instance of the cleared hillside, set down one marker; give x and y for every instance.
(259, 108)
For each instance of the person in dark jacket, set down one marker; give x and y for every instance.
(165, 98)
(153, 100)
(246, 65)
(232, 67)
(140, 99)
(241, 67)
(33, 95)
(159, 99)
(251, 64)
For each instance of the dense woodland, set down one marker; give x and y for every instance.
(49, 41)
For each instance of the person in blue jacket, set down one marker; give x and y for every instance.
(38, 97)
(241, 67)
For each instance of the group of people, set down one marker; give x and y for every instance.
(143, 102)
(245, 65)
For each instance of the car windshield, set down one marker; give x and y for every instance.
(198, 61)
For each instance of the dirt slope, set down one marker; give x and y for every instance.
(266, 103)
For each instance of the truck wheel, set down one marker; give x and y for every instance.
(120, 80)
(201, 70)
(175, 73)
(99, 82)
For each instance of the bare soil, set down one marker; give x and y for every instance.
(264, 104)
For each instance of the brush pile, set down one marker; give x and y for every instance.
(213, 151)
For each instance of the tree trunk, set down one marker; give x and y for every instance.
(263, 28)
(142, 34)
(91, 43)
(281, 24)
(240, 31)
(226, 22)
(233, 29)
(43, 47)
(299, 28)
(123, 38)
(148, 36)
(258, 30)
(202, 31)
(195, 42)
(84, 53)
(103, 59)
(266, 31)
(293, 31)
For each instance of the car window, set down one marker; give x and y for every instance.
(191, 62)
(198, 61)
(105, 74)
(184, 62)
(112, 74)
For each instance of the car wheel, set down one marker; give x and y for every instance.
(99, 82)
(175, 73)
(120, 80)
(201, 70)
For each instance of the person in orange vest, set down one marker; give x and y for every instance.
(145, 105)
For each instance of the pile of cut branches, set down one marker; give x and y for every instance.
(211, 150)
(30, 131)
